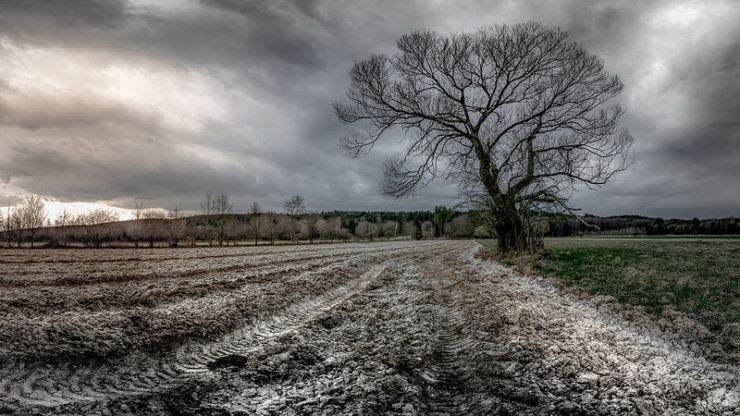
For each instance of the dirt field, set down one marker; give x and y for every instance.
(385, 328)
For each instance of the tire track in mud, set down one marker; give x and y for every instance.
(242, 342)
(159, 254)
(449, 383)
(386, 328)
(449, 341)
(245, 261)
(120, 295)
(31, 336)
(51, 387)
(65, 385)
(19, 280)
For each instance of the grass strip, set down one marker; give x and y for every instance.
(698, 277)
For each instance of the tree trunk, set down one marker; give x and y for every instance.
(509, 227)
(510, 231)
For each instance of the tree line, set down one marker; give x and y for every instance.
(564, 226)
(218, 224)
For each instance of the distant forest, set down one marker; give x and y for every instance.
(562, 226)
(168, 229)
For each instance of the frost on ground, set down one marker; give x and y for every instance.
(387, 328)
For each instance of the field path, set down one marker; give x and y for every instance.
(383, 328)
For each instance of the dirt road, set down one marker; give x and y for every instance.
(386, 328)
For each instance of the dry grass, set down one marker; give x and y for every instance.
(698, 277)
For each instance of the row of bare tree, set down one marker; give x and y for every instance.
(233, 229)
(28, 222)
(215, 224)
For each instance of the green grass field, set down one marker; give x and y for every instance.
(697, 276)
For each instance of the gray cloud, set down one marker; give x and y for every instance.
(72, 13)
(163, 102)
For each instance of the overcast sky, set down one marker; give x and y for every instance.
(106, 101)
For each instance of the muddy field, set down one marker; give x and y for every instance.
(385, 328)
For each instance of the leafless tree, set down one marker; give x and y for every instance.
(312, 228)
(16, 226)
(154, 214)
(517, 115)
(175, 227)
(207, 205)
(139, 209)
(427, 230)
(333, 230)
(64, 219)
(235, 229)
(388, 229)
(134, 231)
(269, 225)
(363, 229)
(9, 225)
(459, 227)
(99, 216)
(59, 233)
(32, 215)
(221, 208)
(294, 207)
(152, 225)
(408, 229)
(95, 229)
(255, 212)
(208, 208)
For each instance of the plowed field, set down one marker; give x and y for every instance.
(384, 328)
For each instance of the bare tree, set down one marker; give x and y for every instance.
(294, 207)
(215, 209)
(60, 233)
(175, 227)
(516, 115)
(207, 209)
(388, 228)
(96, 231)
(64, 219)
(16, 226)
(459, 227)
(139, 209)
(207, 205)
(363, 229)
(33, 215)
(221, 208)
(152, 229)
(134, 231)
(234, 229)
(255, 212)
(270, 225)
(154, 214)
(312, 228)
(8, 225)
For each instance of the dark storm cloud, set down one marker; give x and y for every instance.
(77, 13)
(239, 98)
